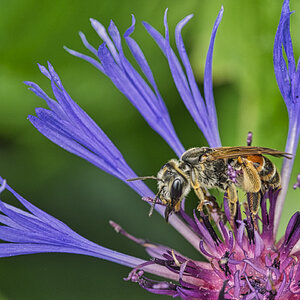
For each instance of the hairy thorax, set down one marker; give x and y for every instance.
(214, 174)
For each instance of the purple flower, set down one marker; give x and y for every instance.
(242, 261)
(245, 261)
(288, 79)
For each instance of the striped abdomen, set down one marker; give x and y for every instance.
(269, 176)
(267, 171)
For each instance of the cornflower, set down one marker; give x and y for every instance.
(244, 261)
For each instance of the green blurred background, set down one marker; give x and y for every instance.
(76, 192)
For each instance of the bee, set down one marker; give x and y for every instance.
(224, 168)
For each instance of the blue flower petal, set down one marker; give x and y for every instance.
(101, 31)
(71, 128)
(208, 85)
(38, 232)
(288, 80)
(203, 113)
(87, 44)
(144, 97)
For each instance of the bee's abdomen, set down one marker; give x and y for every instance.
(268, 173)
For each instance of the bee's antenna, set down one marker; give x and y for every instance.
(156, 196)
(143, 178)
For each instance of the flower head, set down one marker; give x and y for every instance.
(244, 259)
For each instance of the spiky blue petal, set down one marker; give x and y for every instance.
(288, 79)
(203, 112)
(70, 127)
(144, 96)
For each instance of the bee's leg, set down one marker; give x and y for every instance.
(213, 208)
(200, 195)
(251, 179)
(232, 200)
(254, 202)
(210, 201)
(197, 188)
(177, 206)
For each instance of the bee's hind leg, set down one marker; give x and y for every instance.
(254, 203)
(232, 200)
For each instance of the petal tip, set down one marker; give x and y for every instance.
(3, 185)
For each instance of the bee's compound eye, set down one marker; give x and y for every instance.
(176, 189)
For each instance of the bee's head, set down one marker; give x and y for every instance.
(173, 185)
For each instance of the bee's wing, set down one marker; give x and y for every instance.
(243, 151)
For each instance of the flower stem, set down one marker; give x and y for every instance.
(287, 166)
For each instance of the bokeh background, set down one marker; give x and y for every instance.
(76, 192)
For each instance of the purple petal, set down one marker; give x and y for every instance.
(204, 232)
(199, 102)
(72, 129)
(67, 143)
(101, 31)
(87, 58)
(189, 220)
(204, 251)
(237, 287)
(39, 232)
(287, 41)
(282, 285)
(292, 235)
(115, 65)
(259, 245)
(187, 86)
(280, 68)
(288, 80)
(240, 234)
(53, 105)
(139, 55)
(87, 44)
(224, 231)
(208, 85)
(295, 288)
